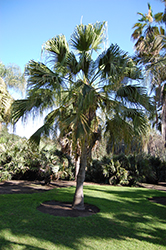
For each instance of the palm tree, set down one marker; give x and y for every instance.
(13, 77)
(76, 87)
(147, 28)
(5, 103)
(10, 77)
(150, 46)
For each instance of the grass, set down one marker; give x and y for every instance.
(127, 220)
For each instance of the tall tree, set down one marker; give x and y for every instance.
(77, 87)
(150, 46)
(148, 28)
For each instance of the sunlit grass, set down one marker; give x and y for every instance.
(127, 220)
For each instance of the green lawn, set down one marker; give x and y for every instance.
(127, 220)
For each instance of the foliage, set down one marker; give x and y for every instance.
(5, 102)
(58, 164)
(156, 145)
(76, 87)
(10, 77)
(151, 169)
(94, 172)
(19, 160)
(6, 137)
(13, 77)
(127, 170)
(150, 36)
(109, 171)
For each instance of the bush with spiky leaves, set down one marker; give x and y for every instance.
(19, 159)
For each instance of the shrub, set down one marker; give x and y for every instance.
(127, 170)
(18, 160)
(94, 172)
(108, 171)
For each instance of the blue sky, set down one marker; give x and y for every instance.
(26, 24)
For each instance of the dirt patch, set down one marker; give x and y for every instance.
(161, 186)
(24, 187)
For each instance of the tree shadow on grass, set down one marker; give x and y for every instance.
(124, 215)
(9, 244)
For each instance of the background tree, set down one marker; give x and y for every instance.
(10, 77)
(13, 77)
(5, 103)
(148, 28)
(76, 87)
(150, 46)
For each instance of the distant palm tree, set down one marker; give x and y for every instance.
(10, 77)
(13, 77)
(150, 37)
(76, 87)
(148, 28)
(5, 103)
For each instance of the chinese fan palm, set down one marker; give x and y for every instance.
(75, 87)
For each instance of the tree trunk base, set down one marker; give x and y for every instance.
(78, 207)
(78, 203)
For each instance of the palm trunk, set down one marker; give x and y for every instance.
(77, 166)
(164, 120)
(78, 201)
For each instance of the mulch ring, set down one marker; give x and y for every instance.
(160, 200)
(64, 209)
(161, 186)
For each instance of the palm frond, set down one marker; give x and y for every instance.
(159, 17)
(140, 124)
(119, 129)
(85, 61)
(131, 70)
(53, 117)
(57, 49)
(139, 121)
(39, 75)
(112, 63)
(88, 37)
(72, 63)
(36, 103)
(20, 108)
(135, 94)
(43, 130)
